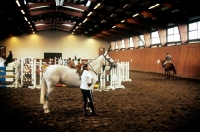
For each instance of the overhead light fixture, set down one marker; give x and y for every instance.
(85, 20)
(103, 21)
(22, 12)
(151, 7)
(67, 25)
(25, 18)
(113, 26)
(39, 24)
(135, 15)
(122, 21)
(127, 6)
(88, 3)
(18, 3)
(113, 15)
(38, 7)
(89, 14)
(97, 6)
(73, 8)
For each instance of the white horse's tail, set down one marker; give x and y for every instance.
(43, 91)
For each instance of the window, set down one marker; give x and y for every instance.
(131, 44)
(141, 41)
(173, 34)
(155, 38)
(122, 44)
(116, 46)
(194, 30)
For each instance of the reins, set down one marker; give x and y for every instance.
(110, 64)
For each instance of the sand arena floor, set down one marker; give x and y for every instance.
(148, 103)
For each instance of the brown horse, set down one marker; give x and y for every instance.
(169, 66)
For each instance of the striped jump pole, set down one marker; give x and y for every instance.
(9, 77)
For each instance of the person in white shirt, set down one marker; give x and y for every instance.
(87, 90)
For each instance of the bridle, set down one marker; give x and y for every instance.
(111, 64)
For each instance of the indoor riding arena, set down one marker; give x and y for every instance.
(143, 65)
(148, 103)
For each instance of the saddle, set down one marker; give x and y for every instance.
(78, 68)
(167, 65)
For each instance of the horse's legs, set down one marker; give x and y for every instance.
(167, 74)
(47, 97)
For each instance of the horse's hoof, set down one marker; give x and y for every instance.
(46, 111)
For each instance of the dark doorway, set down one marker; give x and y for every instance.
(52, 55)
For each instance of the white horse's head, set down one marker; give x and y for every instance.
(109, 61)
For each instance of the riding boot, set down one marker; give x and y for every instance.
(84, 109)
(93, 111)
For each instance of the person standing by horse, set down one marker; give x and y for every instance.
(168, 58)
(8, 59)
(87, 90)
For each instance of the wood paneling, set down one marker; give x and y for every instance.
(186, 59)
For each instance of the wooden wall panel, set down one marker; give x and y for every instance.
(186, 58)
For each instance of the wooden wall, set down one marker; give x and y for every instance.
(186, 58)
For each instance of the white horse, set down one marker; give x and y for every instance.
(55, 73)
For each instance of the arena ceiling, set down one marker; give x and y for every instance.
(101, 19)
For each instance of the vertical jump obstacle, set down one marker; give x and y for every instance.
(116, 76)
(9, 75)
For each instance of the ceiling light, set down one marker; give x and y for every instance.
(126, 6)
(151, 7)
(67, 25)
(122, 21)
(85, 20)
(113, 26)
(25, 18)
(113, 15)
(97, 6)
(135, 15)
(176, 10)
(18, 3)
(88, 3)
(39, 7)
(39, 24)
(80, 23)
(89, 14)
(73, 8)
(103, 21)
(22, 12)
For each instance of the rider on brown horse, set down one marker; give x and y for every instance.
(168, 58)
